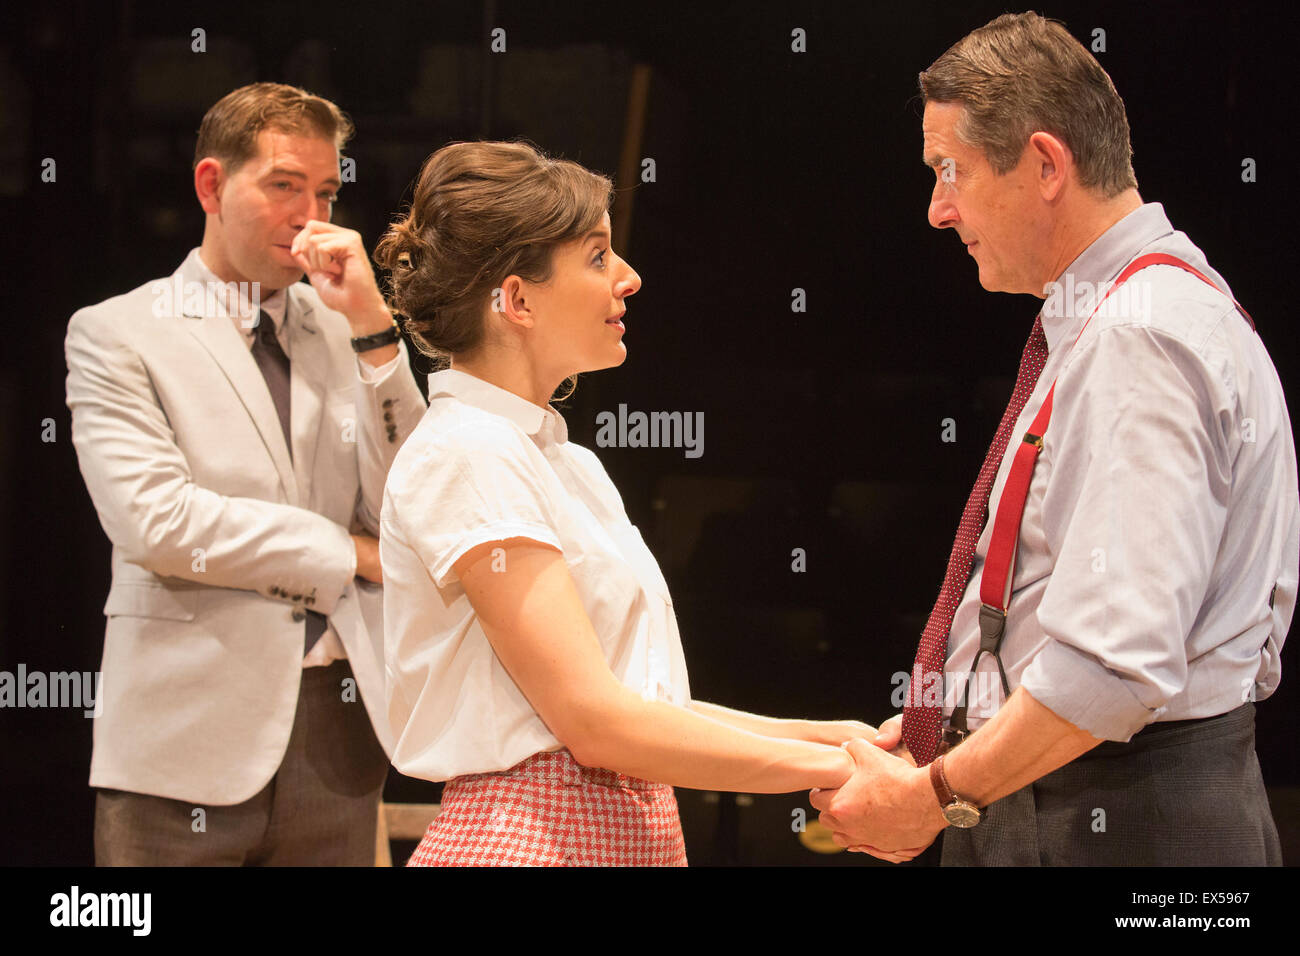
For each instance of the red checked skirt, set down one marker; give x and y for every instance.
(550, 810)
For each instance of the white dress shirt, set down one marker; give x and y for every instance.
(328, 647)
(1155, 572)
(486, 465)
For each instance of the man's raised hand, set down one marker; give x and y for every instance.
(337, 267)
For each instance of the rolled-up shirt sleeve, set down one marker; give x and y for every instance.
(1143, 427)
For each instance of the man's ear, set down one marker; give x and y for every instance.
(209, 178)
(512, 301)
(1052, 160)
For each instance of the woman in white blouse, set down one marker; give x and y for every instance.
(532, 651)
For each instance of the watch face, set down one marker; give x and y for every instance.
(961, 815)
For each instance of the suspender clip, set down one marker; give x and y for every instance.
(993, 622)
(953, 736)
(1035, 440)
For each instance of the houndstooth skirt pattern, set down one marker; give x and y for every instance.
(550, 810)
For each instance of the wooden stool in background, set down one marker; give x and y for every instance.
(401, 821)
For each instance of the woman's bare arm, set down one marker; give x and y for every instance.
(833, 732)
(534, 619)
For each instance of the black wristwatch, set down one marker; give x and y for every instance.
(365, 343)
(956, 810)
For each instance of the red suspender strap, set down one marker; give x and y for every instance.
(1160, 259)
(1006, 524)
(1011, 506)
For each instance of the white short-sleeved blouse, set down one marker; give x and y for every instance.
(486, 465)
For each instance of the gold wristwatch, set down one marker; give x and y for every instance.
(958, 811)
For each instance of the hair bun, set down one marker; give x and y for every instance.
(481, 212)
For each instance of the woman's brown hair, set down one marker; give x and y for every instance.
(481, 212)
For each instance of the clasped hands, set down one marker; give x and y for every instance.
(888, 807)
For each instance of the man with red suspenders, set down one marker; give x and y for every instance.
(1125, 570)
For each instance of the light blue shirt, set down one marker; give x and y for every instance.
(1156, 567)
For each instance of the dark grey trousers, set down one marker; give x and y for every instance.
(320, 808)
(1187, 793)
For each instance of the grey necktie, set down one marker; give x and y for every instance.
(274, 366)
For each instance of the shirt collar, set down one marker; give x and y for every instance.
(273, 305)
(545, 425)
(1074, 296)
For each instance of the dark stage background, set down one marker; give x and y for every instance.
(774, 170)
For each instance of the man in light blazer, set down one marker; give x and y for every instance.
(234, 427)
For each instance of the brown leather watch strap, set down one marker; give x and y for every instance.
(940, 782)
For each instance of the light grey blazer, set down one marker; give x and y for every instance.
(220, 540)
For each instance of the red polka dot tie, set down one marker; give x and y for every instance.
(923, 711)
